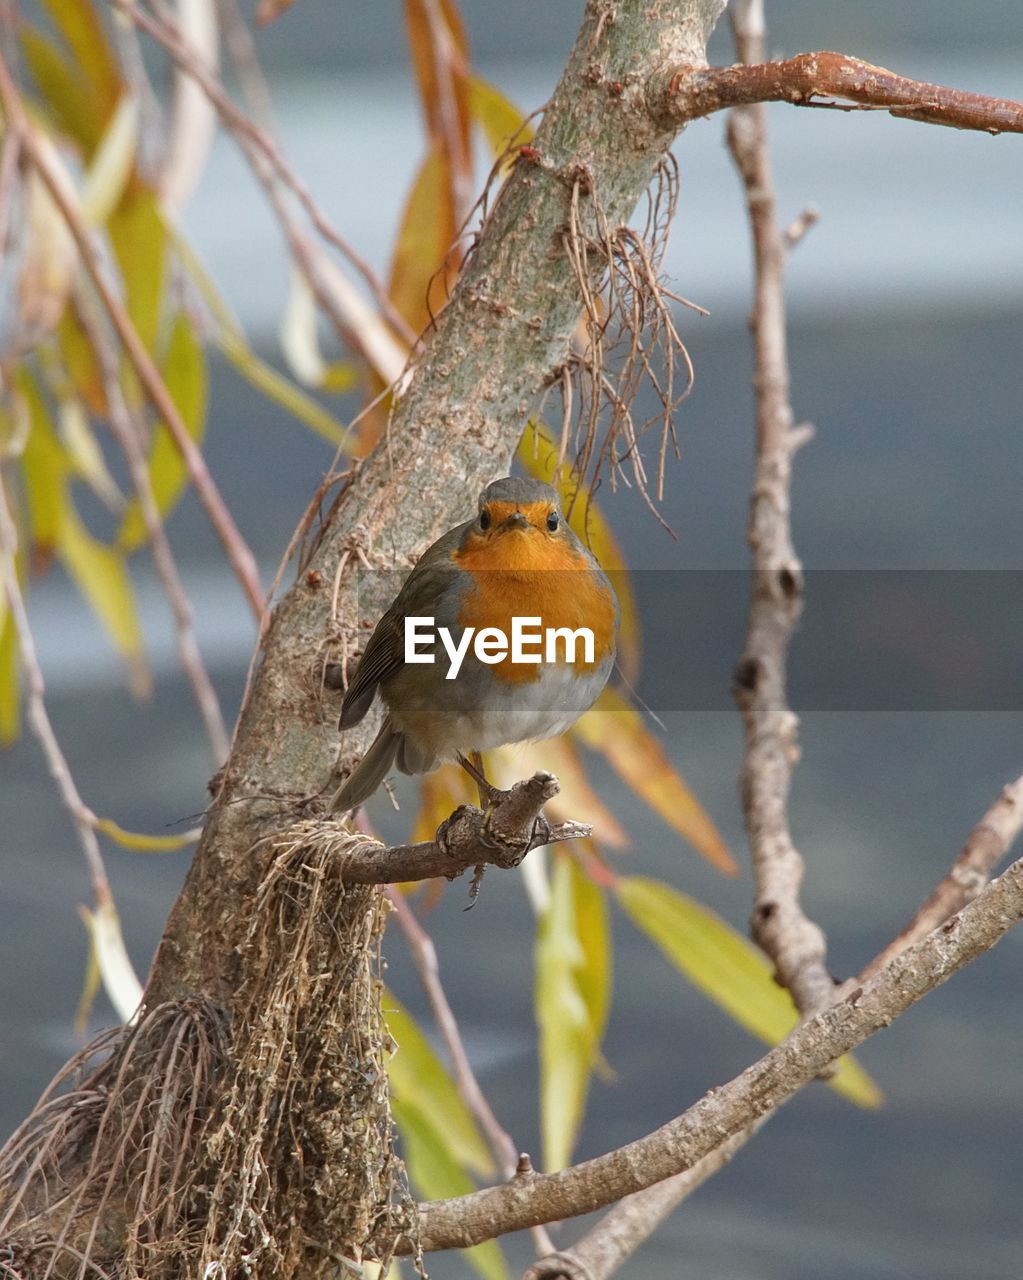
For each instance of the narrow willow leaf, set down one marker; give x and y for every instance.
(64, 93)
(139, 241)
(10, 702)
(418, 286)
(79, 23)
(437, 1176)
(144, 843)
(420, 1079)
(184, 372)
(120, 981)
(91, 979)
(231, 341)
(728, 969)
(84, 454)
(81, 363)
(538, 453)
(300, 340)
(111, 166)
(573, 990)
(50, 257)
(499, 118)
(101, 575)
(617, 731)
(43, 469)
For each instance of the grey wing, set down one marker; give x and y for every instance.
(385, 653)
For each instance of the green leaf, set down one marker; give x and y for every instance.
(498, 116)
(722, 964)
(101, 575)
(436, 1175)
(419, 1078)
(140, 245)
(184, 372)
(573, 991)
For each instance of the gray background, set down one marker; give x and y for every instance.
(906, 346)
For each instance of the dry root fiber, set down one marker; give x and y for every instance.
(202, 1142)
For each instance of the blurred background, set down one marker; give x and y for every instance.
(906, 307)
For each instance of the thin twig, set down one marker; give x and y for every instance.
(424, 957)
(985, 846)
(169, 36)
(38, 716)
(240, 557)
(127, 435)
(809, 77)
(795, 945)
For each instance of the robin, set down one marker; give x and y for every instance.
(504, 632)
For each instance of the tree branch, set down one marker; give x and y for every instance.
(725, 1112)
(604, 1248)
(795, 945)
(985, 846)
(808, 78)
(502, 836)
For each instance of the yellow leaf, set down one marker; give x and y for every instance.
(436, 1175)
(81, 363)
(139, 241)
(419, 1079)
(143, 843)
(616, 729)
(111, 166)
(65, 94)
(91, 978)
(728, 969)
(499, 118)
(439, 51)
(9, 694)
(84, 454)
(418, 285)
(44, 468)
(79, 23)
(101, 575)
(538, 453)
(184, 372)
(573, 990)
(440, 794)
(120, 980)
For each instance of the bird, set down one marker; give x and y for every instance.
(517, 558)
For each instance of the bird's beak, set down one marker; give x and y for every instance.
(516, 521)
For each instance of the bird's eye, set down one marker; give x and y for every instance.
(552, 521)
(484, 519)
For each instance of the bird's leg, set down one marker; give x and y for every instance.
(473, 766)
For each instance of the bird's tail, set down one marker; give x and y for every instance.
(370, 772)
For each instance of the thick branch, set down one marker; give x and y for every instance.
(758, 1091)
(795, 945)
(604, 1248)
(809, 79)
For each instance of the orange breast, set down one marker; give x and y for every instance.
(527, 575)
